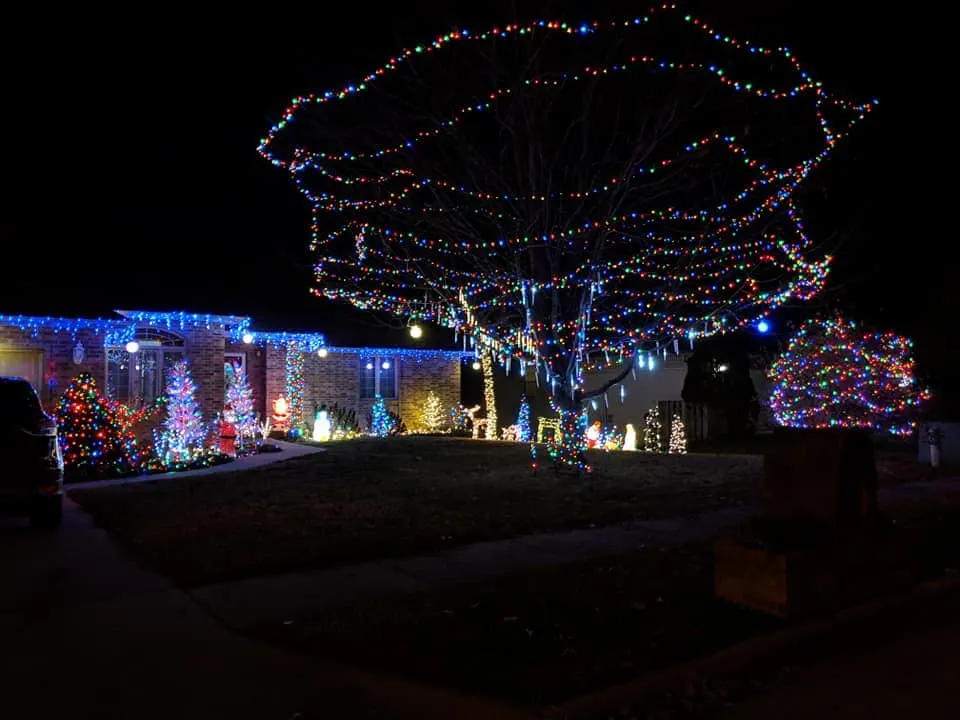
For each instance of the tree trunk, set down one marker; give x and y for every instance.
(566, 449)
(489, 396)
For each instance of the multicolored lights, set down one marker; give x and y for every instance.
(181, 437)
(835, 374)
(544, 269)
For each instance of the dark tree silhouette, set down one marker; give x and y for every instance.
(560, 192)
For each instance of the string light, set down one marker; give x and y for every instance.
(835, 374)
(381, 421)
(523, 420)
(96, 437)
(678, 437)
(293, 367)
(647, 276)
(652, 431)
(181, 438)
(239, 396)
(489, 396)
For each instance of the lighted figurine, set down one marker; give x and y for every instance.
(630, 438)
(228, 432)
(475, 422)
(321, 426)
(281, 414)
(593, 434)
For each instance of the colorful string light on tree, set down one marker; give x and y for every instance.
(381, 422)
(94, 436)
(834, 373)
(181, 438)
(563, 257)
(523, 421)
(293, 366)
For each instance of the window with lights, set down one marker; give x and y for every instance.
(378, 376)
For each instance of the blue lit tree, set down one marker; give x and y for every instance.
(523, 421)
(381, 423)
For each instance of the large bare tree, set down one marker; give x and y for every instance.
(567, 195)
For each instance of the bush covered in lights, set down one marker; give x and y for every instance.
(834, 373)
(96, 436)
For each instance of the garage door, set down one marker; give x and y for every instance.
(27, 364)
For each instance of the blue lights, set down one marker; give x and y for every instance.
(119, 331)
(763, 327)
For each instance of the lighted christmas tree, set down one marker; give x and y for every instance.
(523, 421)
(653, 431)
(460, 418)
(95, 436)
(239, 396)
(508, 184)
(432, 416)
(834, 373)
(381, 422)
(678, 437)
(182, 434)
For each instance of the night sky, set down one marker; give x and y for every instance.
(132, 178)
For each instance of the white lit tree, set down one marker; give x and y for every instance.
(652, 431)
(678, 437)
(239, 396)
(432, 415)
(182, 433)
(561, 193)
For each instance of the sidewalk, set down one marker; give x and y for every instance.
(280, 598)
(248, 462)
(84, 633)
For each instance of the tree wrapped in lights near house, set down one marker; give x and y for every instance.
(432, 415)
(181, 436)
(523, 420)
(678, 437)
(652, 431)
(382, 421)
(567, 194)
(95, 437)
(834, 373)
(239, 396)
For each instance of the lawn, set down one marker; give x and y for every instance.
(372, 498)
(545, 636)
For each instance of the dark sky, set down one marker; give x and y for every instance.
(132, 178)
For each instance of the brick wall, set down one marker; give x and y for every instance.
(57, 367)
(419, 377)
(274, 369)
(328, 380)
(256, 364)
(204, 351)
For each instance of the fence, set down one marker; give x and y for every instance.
(695, 419)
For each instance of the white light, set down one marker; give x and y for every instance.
(723, 368)
(369, 366)
(247, 338)
(322, 352)
(476, 365)
(385, 365)
(416, 331)
(133, 346)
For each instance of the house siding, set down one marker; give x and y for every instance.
(57, 366)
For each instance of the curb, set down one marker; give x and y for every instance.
(739, 657)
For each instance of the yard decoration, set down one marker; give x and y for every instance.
(489, 396)
(281, 414)
(239, 396)
(836, 374)
(585, 242)
(630, 438)
(228, 432)
(459, 419)
(523, 420)
(509, 433)
(593, 434)
(322, 427)
(652, 431)
(181, 438)
(678, 436)
(383, 422)
(432, 415)
(96, 437)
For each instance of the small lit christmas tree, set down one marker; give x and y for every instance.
(653, 432)
(836, 374)
(95, 437)
(523, 421)
(381, 423)
(460, 419)
(678, 437)
(239, 396)
(432, 415)
(182, 434)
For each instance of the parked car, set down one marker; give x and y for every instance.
(31, 463)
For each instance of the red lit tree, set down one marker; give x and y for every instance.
(567, 195)
(834, 373)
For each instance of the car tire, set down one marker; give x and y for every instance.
(48, 514)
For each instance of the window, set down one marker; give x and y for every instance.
(378, 375)
(139, 378)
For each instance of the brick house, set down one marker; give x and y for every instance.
(129, 355)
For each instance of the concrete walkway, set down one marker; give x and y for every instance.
(85, 633)
(282, 598)
(249, 462)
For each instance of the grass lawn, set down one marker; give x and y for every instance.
(372, 498)
(545, 636)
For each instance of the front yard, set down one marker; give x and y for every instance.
(373, 498)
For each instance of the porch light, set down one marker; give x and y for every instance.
(385, 365)
(322, 352)
(132, 347)
(369, 366)
(476, 365)
(247, 338)
(416, 332)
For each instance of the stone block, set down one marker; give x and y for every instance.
(825, 475)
